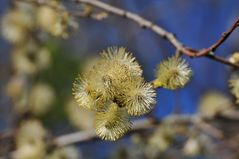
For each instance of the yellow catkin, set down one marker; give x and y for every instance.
(213, 103)
(173, 73)
(112, 124)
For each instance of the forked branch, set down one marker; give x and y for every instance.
(144, 23)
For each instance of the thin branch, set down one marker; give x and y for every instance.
(222, 60)
(144, 23)
(207, 128)
(223, 38)
(89, 135)
(141, 125)
(141, 21)
(75, 137)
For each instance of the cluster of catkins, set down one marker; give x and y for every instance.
(114, 88)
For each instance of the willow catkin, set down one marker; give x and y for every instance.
(112, 124)
(173, 73)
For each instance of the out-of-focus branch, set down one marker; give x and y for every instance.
(144, 23)
(75, 137)
(89, 135)
(141, 125)
(6, 134)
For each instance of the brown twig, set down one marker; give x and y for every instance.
(144, 23)
(224, 36)
(222, 60)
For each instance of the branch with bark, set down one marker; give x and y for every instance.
(180, 47)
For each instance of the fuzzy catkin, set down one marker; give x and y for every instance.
(173, 73)
(113, 123)
(113, 86)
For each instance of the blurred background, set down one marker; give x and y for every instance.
(197, 24)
